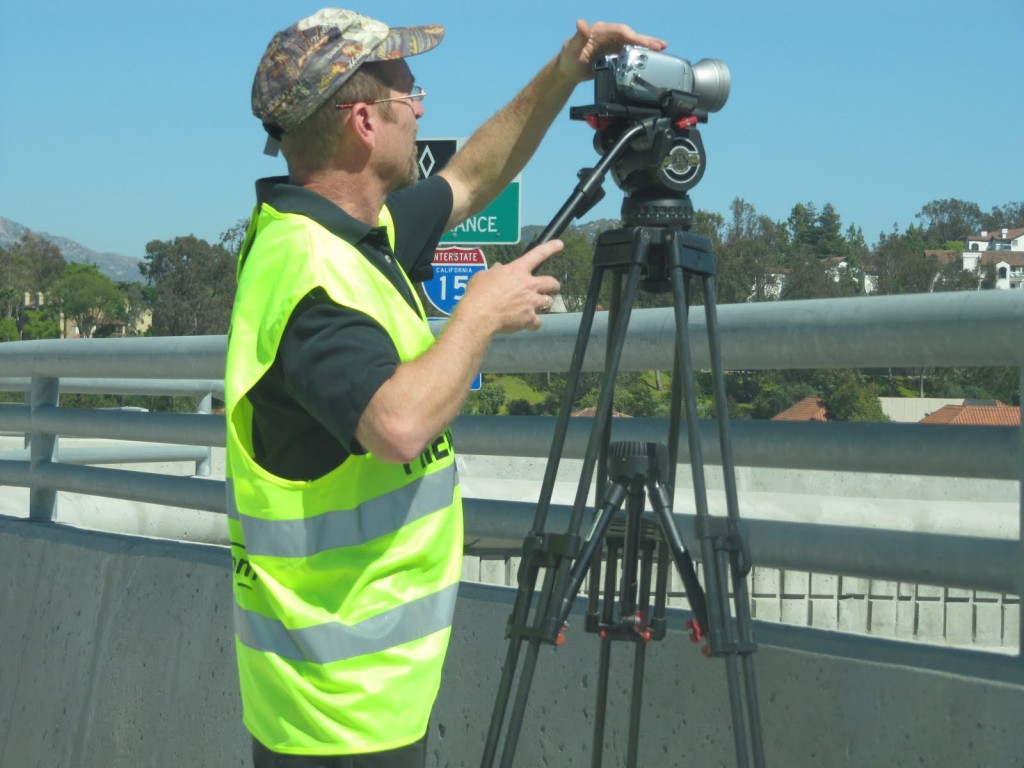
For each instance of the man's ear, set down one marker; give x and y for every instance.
(361, 125)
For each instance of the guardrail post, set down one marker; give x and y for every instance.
(42, 449)
(204, 404)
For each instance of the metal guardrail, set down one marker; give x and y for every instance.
(932, 330)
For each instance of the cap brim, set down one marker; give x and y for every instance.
(403, 42)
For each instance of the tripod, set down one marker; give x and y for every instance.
(660, 259)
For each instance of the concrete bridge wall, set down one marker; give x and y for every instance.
(117, 651)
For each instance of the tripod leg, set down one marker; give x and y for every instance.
(739, 570)
(717, 593)
(529, 565)
(605, 654)
(643, 613)
(590, 551)
(550, 599)
(683, 562)
(507, 674)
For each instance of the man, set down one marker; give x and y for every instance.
(345, 511)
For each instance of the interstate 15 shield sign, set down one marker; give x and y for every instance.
(452, 269)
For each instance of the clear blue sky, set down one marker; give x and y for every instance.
(124, 122)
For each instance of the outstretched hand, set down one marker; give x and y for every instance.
(509, 297)
(591, 42)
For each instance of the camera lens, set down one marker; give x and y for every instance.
(711, 84)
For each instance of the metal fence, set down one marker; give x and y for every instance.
(918, 331)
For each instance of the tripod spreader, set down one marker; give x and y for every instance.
(635, 467)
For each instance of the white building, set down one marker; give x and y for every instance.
(1003, 251)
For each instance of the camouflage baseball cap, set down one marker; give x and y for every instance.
(305, 64)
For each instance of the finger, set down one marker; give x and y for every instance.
(606, 36)
(547, 284)
(654, 43)
(537, 256)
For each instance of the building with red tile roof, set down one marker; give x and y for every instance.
(996, 414)
(809, 409)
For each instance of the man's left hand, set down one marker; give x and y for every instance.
(591, 42)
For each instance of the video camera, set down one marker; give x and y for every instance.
(670, 96)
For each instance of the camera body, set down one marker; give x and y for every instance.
(669, 96)
(641, 77)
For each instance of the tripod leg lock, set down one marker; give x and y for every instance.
(725, 535)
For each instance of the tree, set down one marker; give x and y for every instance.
(953, 277)
(1009, 215)
(819, 231)
(136, 302)
(29, 265)
(949, 219)
(809, 277)
(88, 297)
(750, 258)
(233, 238)
(849, 396)
(8, 329)
(10, 301)
(41, 323)
(902, 264)
(777, 391)
(486, 401)
(801, 226)
(709, 224)
(829, 231)
(193, 286)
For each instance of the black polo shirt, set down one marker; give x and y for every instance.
(332, 359)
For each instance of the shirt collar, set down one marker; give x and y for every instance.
(282, 196)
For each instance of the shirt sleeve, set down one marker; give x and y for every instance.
(334, 359)
(330, 363)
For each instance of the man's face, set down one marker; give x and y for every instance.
(399, 152)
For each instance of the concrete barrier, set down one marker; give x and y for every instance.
(117, 651)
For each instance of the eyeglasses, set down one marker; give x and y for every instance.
(415, 94)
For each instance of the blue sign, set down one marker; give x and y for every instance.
(453, 267)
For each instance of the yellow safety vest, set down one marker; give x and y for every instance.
(345, 585)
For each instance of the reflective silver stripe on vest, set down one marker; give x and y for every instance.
(351, 527)
(229, 490)
(326, 643)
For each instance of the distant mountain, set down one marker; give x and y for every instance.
(121, 269)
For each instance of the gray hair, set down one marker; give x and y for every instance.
(311, 144)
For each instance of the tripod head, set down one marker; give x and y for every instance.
(646, 108)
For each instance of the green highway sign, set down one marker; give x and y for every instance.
(498, 223)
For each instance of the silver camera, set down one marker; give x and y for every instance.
(643, 76)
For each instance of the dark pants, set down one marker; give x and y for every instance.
(412, 756)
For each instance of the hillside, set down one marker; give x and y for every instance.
(590, 229)
(115, 266)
